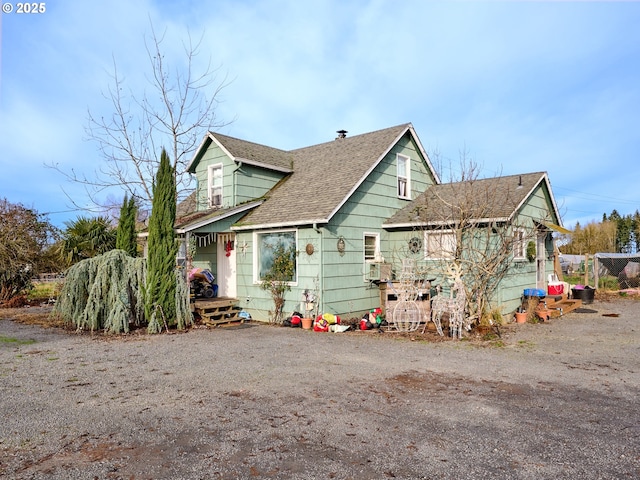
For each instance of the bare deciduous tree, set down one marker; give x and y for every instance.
(469, 222)
(174, 114)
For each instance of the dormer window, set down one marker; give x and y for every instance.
(215, 186)
(404, 179)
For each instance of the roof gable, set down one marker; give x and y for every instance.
(318, 179)
(490, 199)
(243, 151)
(324, 177)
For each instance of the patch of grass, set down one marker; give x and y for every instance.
(16, 341)
(44, 290)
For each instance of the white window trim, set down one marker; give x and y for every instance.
(427, 255)
(181, 256)
(210, 170)
(376, 255)
(256, 254)
(406, 176)
(519, 245)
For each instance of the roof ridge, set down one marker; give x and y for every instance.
(352, 137)
(218, 134)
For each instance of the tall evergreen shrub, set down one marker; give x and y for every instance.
(126, 234)
(160, 289)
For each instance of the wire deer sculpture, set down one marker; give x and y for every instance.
(454, 305)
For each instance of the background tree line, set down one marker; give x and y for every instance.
(614, 234)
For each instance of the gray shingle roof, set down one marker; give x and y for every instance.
(323, 177)
(491, 198)
(256, 153)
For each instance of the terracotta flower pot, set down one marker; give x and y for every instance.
(521, 317)
(306, 323)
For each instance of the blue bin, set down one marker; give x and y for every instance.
(534, 292)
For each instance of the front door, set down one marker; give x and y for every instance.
(226, 253)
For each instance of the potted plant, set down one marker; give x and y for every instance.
(521, 315)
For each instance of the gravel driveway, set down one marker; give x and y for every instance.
(553, 400)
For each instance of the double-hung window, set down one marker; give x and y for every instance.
(519, 244)
(404, 178)
(440, 245)
(371, 247)
(214, 179)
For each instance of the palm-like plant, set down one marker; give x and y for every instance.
(85, 238)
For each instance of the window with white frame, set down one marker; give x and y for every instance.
(519, 244)
(371, 243)
(215, 185)
(404, 180)
(440, 244)
(181, 256)
(268, 245)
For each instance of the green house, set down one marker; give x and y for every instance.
(499, 230)
(340, 204)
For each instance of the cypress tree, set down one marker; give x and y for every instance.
(160, 290)
(126, 234)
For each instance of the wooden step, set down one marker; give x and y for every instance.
(559, 306)
(225, 320)
(218, 311)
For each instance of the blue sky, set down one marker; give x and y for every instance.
(517, 86)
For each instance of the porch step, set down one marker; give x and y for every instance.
(561, 305)
(217, 312)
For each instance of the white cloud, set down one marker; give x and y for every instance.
(522, 85)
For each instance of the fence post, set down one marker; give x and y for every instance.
(595, 270)
(586, 269)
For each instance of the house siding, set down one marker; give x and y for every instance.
(522, 274)
(239, 186)
(213, 156)
(340, 279)
(253, 182)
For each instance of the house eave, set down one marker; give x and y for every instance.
(267, 226)
(262, 165)
(209, 220)
(443, 223)
(424, 154)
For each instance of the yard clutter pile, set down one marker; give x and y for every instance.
(326, 322)
(373, 319)
(202, 283)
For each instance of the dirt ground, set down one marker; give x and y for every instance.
(549, 400)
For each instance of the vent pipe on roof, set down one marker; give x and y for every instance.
(341, 134)
(520, 182)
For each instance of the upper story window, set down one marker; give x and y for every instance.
(440, 245)
(404, 178)
(214, 180)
